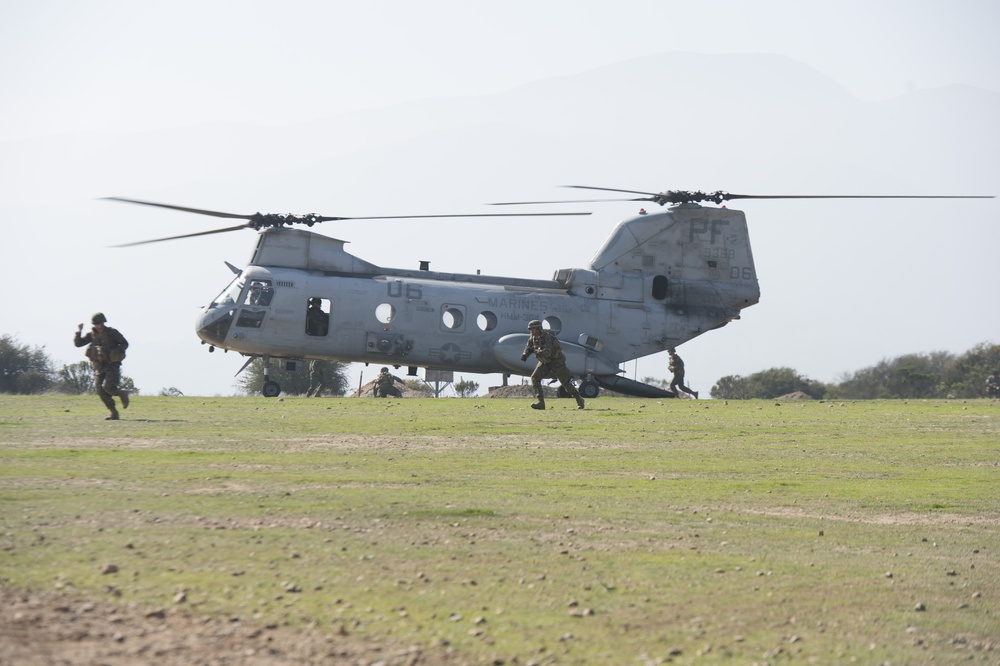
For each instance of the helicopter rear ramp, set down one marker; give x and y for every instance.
(631, 387)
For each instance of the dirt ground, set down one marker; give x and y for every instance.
(60, 628)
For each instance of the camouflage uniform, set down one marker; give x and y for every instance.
(993, 385)
(317, 321)
(676, 366)
(317, 379)
(551, 363)
(106, 352)
(385, 385)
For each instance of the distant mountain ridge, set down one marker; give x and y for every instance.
(756, 107)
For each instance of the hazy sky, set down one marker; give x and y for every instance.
(123, 65)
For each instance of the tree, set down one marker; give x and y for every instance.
(466, 388)
(907, 376)
(767, 384)
(23, 369)
(732, 387)
(965, 377)
(127, 384)
(292, 382)
(76, 379)
(172, 392)
(418, 385)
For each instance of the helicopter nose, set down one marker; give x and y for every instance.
(213, 326)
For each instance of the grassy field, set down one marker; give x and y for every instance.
(636, 531)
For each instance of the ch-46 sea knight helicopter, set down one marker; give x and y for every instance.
(659, 280)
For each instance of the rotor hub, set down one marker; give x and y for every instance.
(260, 221)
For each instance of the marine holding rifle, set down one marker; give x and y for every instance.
(551, 363)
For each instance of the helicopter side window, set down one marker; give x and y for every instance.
(318, 316)
(453, 318)
(259, 293)
(660, 286)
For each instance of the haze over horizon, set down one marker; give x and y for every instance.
(255, 108)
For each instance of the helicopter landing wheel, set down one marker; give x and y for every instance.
(590, 390)
(271, 389)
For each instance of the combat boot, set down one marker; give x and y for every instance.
(579, 402)
(540, 404)
(124, 396)
(113, 417)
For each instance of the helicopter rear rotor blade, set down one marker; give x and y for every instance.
(684, 196)
(718, 197)
(419, 217)
(858, 196)
(650, 196)
(530, 203)
(612, 189)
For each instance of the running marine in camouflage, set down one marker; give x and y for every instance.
(551, 363)
(317, 378)
(106, 350)
(676, 366)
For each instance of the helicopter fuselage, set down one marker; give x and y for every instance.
(659, 280)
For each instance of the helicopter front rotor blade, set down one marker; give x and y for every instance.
(199, 233)
(260, 221)
(199, 211)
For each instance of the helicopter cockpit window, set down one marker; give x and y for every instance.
(229, 294)
(259, 293)
(318, 316)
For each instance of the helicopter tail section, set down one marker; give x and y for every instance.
(687, 243)
(690, 266)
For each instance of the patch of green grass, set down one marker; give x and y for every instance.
(632, 531)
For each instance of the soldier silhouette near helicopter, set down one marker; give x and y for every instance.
(385, 385)
(317, 321)
(551, 363)
(106, 351)
(993, 385)
(317, 379)
(677, 368)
